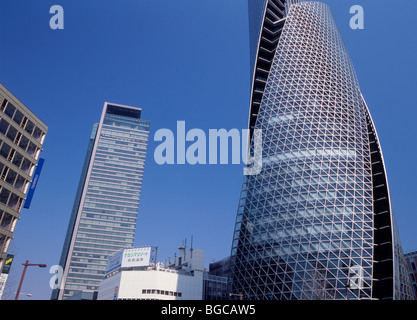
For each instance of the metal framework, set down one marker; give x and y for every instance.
(317, 222)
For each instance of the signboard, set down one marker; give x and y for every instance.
(135, 257)
(5, 272)
(114, 262)
(7, 263)
(116, 293)
(34, 183)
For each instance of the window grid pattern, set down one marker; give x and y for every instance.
(304, 227)
(20, 145)
(110, 206)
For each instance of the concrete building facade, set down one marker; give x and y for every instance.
(181, 279)
(22, 135)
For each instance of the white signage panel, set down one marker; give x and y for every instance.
(136, 257)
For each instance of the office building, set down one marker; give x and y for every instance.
(317, 222)
(105, 209)
(411, 258)
(22, 135)
(216, 280)
(134, 274)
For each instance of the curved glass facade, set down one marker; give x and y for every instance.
(316, 222)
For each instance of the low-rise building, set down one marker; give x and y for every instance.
(134, 274)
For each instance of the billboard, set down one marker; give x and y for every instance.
(5, 272)
(33, 183)
(127, 258)
(136, 257)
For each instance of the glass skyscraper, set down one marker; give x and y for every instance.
(103, 218)
(317, 222)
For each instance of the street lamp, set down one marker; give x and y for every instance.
(240, 295)
(27, 264)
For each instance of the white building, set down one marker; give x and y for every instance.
(131, 278)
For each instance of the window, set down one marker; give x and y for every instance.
(4, 195)
(4, 173)
(17, 140)
(24, 143)
(3, 104)
(25, 120)
(32, 149)
(37, 134)
(15, 202)
(10, 109)
(18, 117)
(29, 127)
(17, 159)
(4, 125)
(4, 151)
(26, 165)
(3, 243)
(11, 177)
(20, 183)
(7, 221)
(11, 134)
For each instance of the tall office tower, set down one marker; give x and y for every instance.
(103, 217)
(21, 137)
(317, 222)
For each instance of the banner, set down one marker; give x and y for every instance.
(34, 183)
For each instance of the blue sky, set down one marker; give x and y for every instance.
(185, 60)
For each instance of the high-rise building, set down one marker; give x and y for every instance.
(104, 214)
(317, 222)
(21, 138)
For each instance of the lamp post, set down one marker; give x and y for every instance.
(27, 264)
(240, 295)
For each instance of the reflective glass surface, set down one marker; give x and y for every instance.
(106, 207)
(305, 224)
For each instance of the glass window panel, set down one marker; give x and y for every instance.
(13, 201)
(24, 142)
(32, 149)
(4, 195)
(7, 221)
(10, 109)
(4, 125)
(18, 117)
(11, 133)
(11, 177)
(17, 159)
(37, 134)
(20, 183)
(26, 165)
(4, 150)
(29, 127)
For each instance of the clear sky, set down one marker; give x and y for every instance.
(185, 60)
